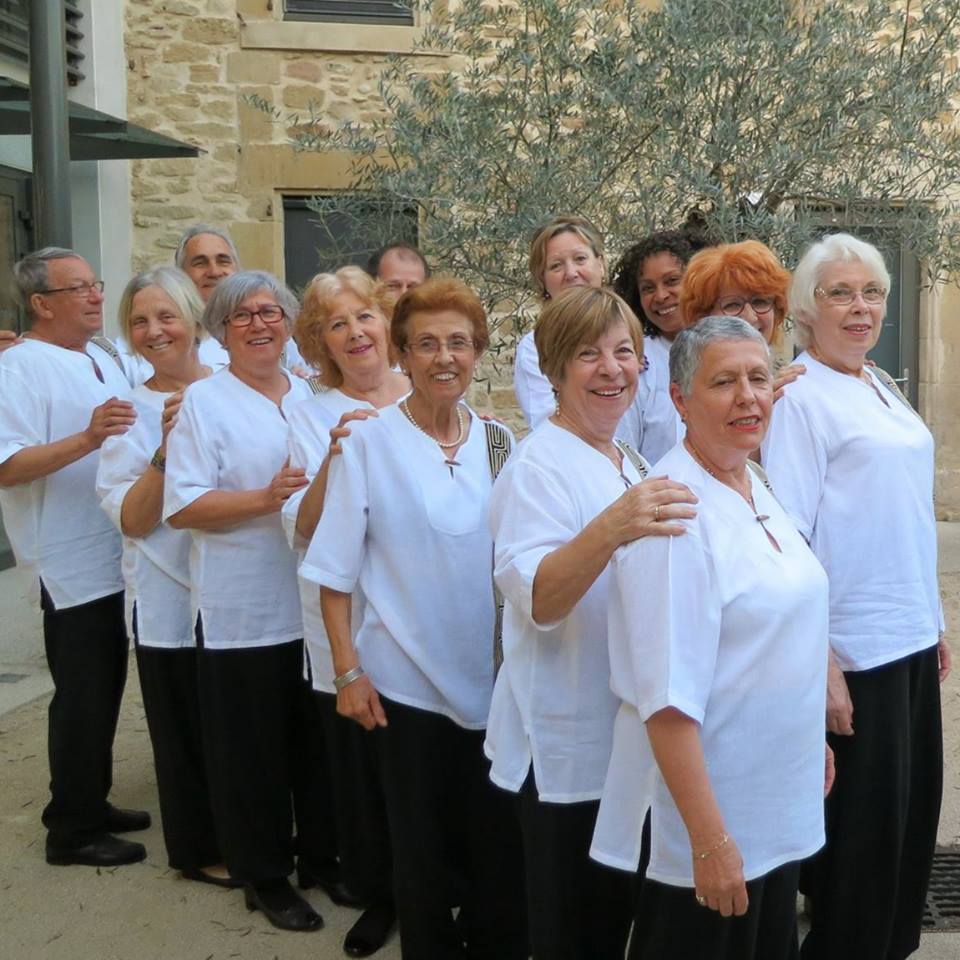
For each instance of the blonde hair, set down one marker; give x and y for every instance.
(580, 226)
(176, 285)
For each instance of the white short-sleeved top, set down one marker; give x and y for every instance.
(156, 568)
(533, 389)
(724, 628)
(310, 425)
(854, 466)
(662, 427)
(55, 523)
(412, 533)
(242, 578)
(552, 703)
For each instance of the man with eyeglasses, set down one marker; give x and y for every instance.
(61, 397)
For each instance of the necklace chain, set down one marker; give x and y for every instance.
(426, 433)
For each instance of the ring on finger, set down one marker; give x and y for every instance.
(701, 900)
(656, 513)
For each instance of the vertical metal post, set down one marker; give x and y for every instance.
(49, 127)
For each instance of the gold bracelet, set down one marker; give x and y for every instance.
(709, 853)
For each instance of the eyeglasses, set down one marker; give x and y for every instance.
(268, 314)
(430, 346)
(844, 296)
(734, 306)
(79, 289)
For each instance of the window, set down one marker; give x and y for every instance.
(350, 11)
(15, 36)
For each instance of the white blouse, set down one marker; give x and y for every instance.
(156, 568)
(854, 466)
(533, 389)
(720, 625)
(55, 523)
(411, 531)
(662, 427)
(552, 703)
(243, 577)
(310, 425)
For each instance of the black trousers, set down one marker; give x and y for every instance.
(456, 840)
(259, 738)
(363, 836)
(86, 649)
(168, 681)
(869, 884)
(671, 925)
(578, 908)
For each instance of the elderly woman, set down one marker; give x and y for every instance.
(718, 652)
(160, 319)
(344, 333)
(405, 520)
(854, 465)
(569, 496)
(227, 478)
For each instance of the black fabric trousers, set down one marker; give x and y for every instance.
(869, 884)
(363, 836)
(671, 925)
(579, 909)
(86, 649)
(168, 681)
(456, 841)
(259, 738)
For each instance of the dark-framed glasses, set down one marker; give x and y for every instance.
(734, 306)
(272, 313)
(77, 289)
(872, 293)
(430, 346)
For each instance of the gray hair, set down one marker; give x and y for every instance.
(688, 347)
(233, 290)
(176, 285)
(835, 248)
(30, 274)
(198, 229)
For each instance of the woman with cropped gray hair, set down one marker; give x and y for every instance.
(718, 654)
(226, 480)
(854, 464)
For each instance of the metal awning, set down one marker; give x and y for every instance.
(93, 135)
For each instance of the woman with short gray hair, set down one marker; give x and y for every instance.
(718, 654)
(226, 480)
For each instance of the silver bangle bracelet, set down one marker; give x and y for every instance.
(345, 679)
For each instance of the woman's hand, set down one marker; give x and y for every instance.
(647, 508)
(341, 430)
(719, 880)
(829, 771)
(946, 658)
(284, 484)
(168, 419)
(839, 704)
(787, 375)
(360, 701)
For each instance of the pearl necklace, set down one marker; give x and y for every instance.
(443, 446)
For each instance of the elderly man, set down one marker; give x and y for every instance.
(399, 266)
(60, 398)
(206, 254)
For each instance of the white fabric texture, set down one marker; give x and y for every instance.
(243, 577)
(533, 390)
(310, 425)
(411, 532)
(552, 704)
(855, 469)
(662, 427)
(719, 625)
(156, 568)
(55, 523)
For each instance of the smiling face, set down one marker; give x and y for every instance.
(727, 410)
(658, 283)
(157, 331)
(761, 320)
(257, 346)
(207, 260)
(570, 262)
(440, 376)
(355, 336)
(845, 334)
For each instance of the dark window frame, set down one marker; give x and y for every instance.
(373, 12)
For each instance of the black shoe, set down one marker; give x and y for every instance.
(328, 880)
(281, 905)
(100, 850)
(201, 876)
(370, 932)
(125, 821)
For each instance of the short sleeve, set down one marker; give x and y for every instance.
(664, 618)
(533, 390)
(336, 551)
(795, 459)
(123, 459)
(192, 469)
(23, 415)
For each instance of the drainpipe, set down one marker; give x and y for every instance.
(49, 127)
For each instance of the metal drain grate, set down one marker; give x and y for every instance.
(942, 911)
(12, 677)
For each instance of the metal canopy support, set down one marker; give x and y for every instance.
(49, 124)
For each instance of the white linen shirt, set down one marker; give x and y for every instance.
(552, 704)
(242, 578)
(662, 427)
(411, 531)
(856, 474)
(724, 628)
(55, 523)
(156, 568)
(310, 425)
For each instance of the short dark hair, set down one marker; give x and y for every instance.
(373, 264)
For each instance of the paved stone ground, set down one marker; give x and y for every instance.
(146, 912)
